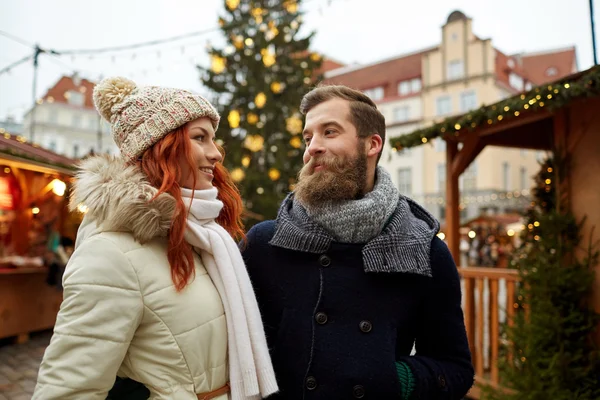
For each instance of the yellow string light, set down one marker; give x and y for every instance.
(296, 142)
(254, 143)
(268, 57)
(424, 140)
(293, 124)
(237, 174)
(246, 161)
(217, 64)
(276, 87)
(274, 174)
(457, 127)
(234, 118)
(506, 108)
(291, 6)
(252, 118)
(517, 113)
(232, 4)
(260, 100)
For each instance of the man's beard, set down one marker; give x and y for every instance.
(341, 179)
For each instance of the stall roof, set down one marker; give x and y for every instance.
(18, 152)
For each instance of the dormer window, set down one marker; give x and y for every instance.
(552, 71)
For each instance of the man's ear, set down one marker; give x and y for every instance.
(375, 145)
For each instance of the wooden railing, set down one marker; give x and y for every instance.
(488, 302)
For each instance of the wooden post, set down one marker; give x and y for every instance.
(452, 211)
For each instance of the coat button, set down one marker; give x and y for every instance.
(442, 381)
(311, 383)
(358, 391)
(324, 261)
(365, 326)
(321, 318)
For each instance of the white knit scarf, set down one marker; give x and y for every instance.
(251, 372)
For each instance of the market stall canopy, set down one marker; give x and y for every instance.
(17, 152)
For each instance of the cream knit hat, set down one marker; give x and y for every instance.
(141, 116)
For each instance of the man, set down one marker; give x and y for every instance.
(351, 274)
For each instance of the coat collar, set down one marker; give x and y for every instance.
(119, 198)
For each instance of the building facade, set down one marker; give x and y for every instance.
(65, 121)
(460, 74)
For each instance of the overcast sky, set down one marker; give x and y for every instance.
(350, 31)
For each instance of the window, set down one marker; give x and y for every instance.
(468, 101)
(515, 81)
(468, 180)
(441, 177)
(76, 121)
(375, 94)
(405, 181)
(52, 116)
(75, 151)
(93, 123)
(410, 86)
(552, 71)
(456, 70)
(404, 88)
(523, 178)
(401, 114)
(440, 144)
(511, 63)
(415, 85)
(443, 105)
(52, 146)
(75, 98)
(506, 176)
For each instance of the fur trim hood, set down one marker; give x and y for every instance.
(118, 196)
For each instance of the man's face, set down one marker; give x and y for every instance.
(335, 158)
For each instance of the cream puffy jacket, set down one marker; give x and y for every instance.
(121, 314)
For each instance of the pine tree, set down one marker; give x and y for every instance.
(259, 78)
(551, 344)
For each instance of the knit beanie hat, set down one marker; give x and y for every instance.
(141, 116)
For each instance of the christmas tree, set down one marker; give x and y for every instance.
(259, 78)
(551, 353)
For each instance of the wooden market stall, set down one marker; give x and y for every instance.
(34, 185)
(561, 116)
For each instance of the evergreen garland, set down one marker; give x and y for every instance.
(551, 96)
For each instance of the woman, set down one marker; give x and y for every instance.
(156, 290)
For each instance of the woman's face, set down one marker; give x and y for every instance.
(204, 154)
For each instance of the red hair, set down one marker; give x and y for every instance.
(160, 164)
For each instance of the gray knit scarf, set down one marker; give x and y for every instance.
(358, 221)
(402, 241)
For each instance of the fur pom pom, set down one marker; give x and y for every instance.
(109, 92)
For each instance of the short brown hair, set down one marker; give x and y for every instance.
(364, 115)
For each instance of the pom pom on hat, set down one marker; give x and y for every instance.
(109, 92)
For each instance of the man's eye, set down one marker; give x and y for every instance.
(328, 131)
